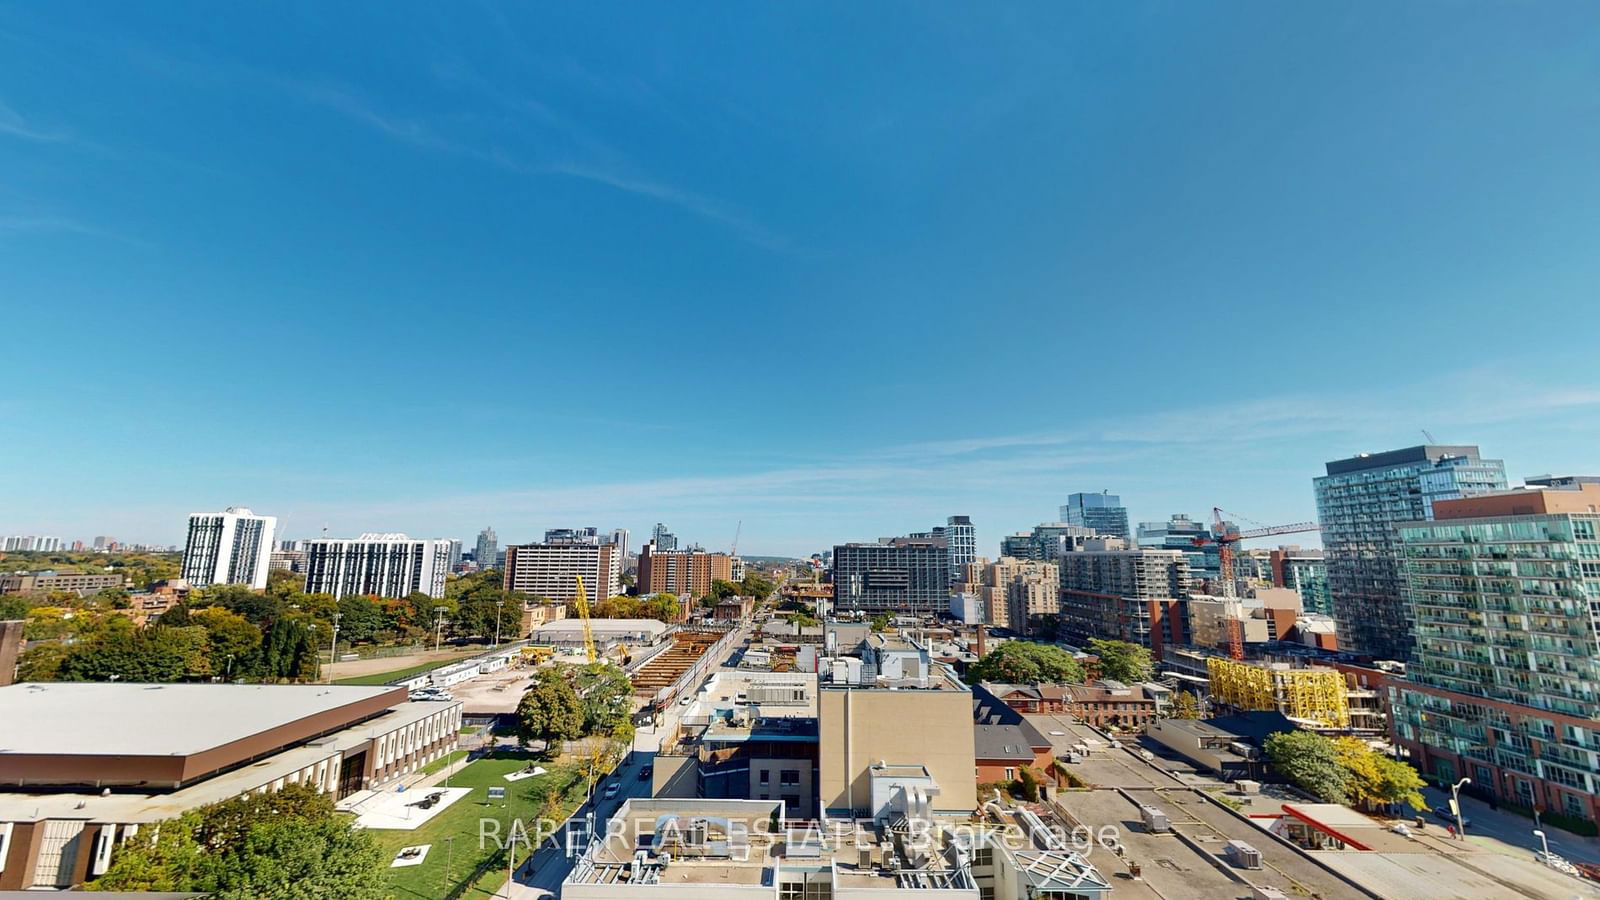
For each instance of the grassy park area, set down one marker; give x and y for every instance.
(456, 865)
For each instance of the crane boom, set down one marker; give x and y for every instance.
(582, 602)
(1225, 537)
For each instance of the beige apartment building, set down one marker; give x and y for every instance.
(924, 720)
(1013, 589)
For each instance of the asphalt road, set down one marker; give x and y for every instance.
(1507, 832)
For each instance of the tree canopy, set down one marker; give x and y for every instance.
(1344, 770)
(1122, 661)
(281, 845)
(663, 606)
(1184, 706)
(1024, 662)
(1374, 780)
(550, 710)
(1311, 763)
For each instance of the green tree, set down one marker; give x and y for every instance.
(756, 586)
(42, 662)
(258, 608)
(234, 643)
(1184, 706)
(1028, 785)
(284, 585)
(176, 617)
(289, 651)
(664, 606)
(122, 652)
(1122, 661)
(283, 845)
(14, 607)
(880, 622)
(360, 619)
(550, 711)
(1310, 762)
(722, 590)
(1024, 662)
(604, 692)
(110, 598)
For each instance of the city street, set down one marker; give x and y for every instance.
(542, 875)
(1509, 833)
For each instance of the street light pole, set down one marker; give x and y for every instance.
(1544, 841)
(333, 649)
(499, 611)
(438, 635)
(1455, 801)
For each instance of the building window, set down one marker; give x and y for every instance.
(766, 777)
(790, 776)
(1011, 774)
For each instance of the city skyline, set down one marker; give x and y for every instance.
(1289, 235)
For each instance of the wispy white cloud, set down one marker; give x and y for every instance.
(601, 164)
(14, 125)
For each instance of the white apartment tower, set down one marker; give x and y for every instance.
(380, 565)
(229, 547)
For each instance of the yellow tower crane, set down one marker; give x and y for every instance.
(583, 612)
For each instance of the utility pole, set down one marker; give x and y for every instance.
(438, 634)
(499, 611)
(333, 650)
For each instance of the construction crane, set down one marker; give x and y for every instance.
(1224, 534)
(736, 532)
(582, 602)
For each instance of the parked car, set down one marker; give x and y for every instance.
(1443, 812)
(613, 789)
(646, 772)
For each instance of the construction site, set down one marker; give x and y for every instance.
(665, 668)
(1311, 694)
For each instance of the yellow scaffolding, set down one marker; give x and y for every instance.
(1313, 694)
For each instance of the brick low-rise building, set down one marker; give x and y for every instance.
(1101, 703)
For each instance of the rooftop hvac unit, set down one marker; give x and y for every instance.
(1267, 893)
(1243, 855)
(1155, 820)
(1246, 786)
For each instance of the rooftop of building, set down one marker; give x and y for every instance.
(1420, 453)
(707, 842)
(567, 625)
(158, 806)
(1007, 743)
(132, 719)
(1581, 497)
(1253, 727)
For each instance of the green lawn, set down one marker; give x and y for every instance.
(445, 868)
(443, 761)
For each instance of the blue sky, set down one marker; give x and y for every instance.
(837, 270)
